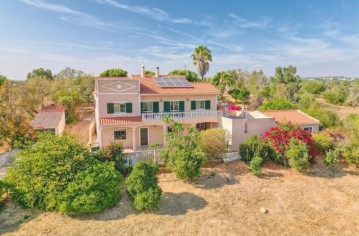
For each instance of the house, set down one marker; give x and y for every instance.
(296, 117)
(50, 118)
(130, 110)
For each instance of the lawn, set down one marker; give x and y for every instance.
(226, 200)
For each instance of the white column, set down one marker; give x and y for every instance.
(134, 139)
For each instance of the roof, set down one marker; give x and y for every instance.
(294, 116)
(120, 120)
(48, 117)
(149, 86)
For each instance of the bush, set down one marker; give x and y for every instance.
(4, 188)
(297, 154)
(331, 157)
(278, 104)
(327, 118)
(42, 173)
(114, 153)
(213, 142)
(323, 142)
(255, 165)
(142, 185)
(280, 136)
(335, 96)
(186, 163)
(92, 190)
(255, 147)
(351, 152)
(116, 72)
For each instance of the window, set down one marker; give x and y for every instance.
(174, 106)
(147, 107)
(119, 107)
(200, 105)
(120, 134)
(310, 128)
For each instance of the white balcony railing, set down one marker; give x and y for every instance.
(182, 115)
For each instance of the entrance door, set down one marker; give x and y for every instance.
(144, 136)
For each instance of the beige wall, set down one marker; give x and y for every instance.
(60, 128)
(118, 85)
(315, 127)
(187, 104)
(236, 129)
(108, 98)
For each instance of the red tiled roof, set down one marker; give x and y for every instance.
(48, 117)
(53, 108)
(294, 116)
(120, 120)
(149, 86)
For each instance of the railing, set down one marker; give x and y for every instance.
(182, 115)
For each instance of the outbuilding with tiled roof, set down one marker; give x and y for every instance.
(50, 118)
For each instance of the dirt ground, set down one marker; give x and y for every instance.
(226, 200)
(80, 129)
(343, 111)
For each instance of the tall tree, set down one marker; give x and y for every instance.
(190, 75)
(223, 80)
(114, 73)
(40, 74)
(201, 57)
(69, 73)
(2, 79)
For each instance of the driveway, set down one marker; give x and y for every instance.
(80, 129)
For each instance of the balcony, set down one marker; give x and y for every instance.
(182, 115)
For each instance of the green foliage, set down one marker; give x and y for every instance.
(327, 118)
(298, 155)
(223, 80)
(241, 95)
(41, 174)
(335, 96)
(351, 124)
(2, 79)
(253, 147)
(351, 152)
(70, 98)
(114, 153)
(142, 185)
(92, 190)
(148, 72)
(40, 74)
(278, 104)
(213, 142)
(313, 87)
(255, 165)
(353, 96)
(331, 157)
(190, 75)
(69, 73)
(323, 142)
(306, 100)
(201, 57)
(114, 73)
(287, 83)
(183, 153)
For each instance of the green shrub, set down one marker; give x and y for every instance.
(323, 142)
(278, 104)
(213, 142)
(92, 190)
(142, 186)
(186, 163)
(335, 96)
(114, 153)
(351, 152)
(41, 174)
(298, 155)
(255, 165)
(331, 157)
(254, 146)
(327, 118)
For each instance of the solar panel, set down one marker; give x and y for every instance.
(172, 82)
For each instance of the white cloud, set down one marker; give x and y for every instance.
(244, 23)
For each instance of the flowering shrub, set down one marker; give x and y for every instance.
(234, 108)
(279, 138)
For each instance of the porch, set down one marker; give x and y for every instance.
(181, 115)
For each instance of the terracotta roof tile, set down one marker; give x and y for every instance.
(149, 86)
(120, 120)
(48, 117)
(294, 116)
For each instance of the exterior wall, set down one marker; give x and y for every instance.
(108, 98)
(238, 131)
(108, 136)
(60, 128)
(315, 127)
(186, 98)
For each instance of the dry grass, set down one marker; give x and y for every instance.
(343, 111)
(225, 203)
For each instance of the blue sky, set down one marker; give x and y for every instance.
(319, 37)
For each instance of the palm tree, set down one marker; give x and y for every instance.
(201, 57)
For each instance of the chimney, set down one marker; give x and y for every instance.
(157, 71)
(143, 71)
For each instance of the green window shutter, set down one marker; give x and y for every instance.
(166, 106)
(129, 107)
(207, 104)
(141, 107)
(110, 108)
(181, 106)
(193, 105)
(156, 107)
